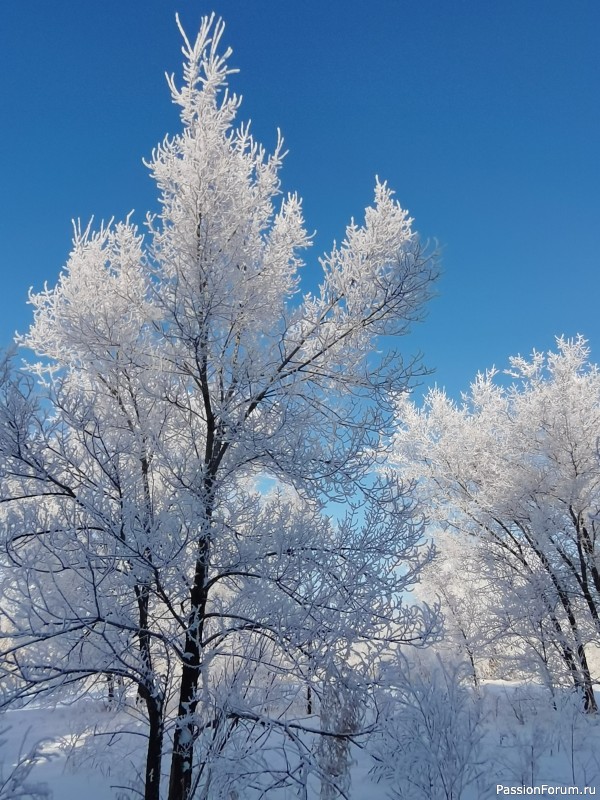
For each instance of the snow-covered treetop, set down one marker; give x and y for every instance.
(221, 264)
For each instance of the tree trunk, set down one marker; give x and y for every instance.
(180, 780)
(148, 690)
(589, 700)
(154, 749)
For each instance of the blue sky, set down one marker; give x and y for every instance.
(484, 116)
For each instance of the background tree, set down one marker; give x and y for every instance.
(180, 375)
(517, 467)
(455, 579)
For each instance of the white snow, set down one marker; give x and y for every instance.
(87, 751)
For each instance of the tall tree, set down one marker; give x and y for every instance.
(182, 376)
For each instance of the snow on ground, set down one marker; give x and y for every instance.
(528, 742)
(83, 751)
(48, 737)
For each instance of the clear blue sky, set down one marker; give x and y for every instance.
(484, 116)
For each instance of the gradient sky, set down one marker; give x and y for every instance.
(484, 116)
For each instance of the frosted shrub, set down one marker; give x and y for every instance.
(429, 745)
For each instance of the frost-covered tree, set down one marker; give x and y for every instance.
(499, 631)
(165, 485)
(455, 579)
(517, 467)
